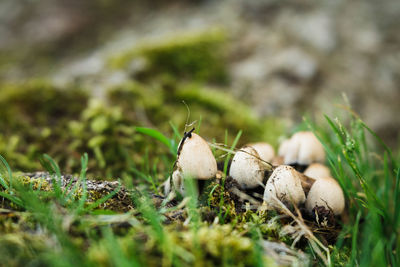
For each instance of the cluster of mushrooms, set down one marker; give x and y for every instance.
(296, 176)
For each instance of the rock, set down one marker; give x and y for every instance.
(96, 189)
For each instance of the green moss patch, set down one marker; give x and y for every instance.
(194, 56)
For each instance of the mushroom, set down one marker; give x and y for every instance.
(285, 183)
(317, 170)
(195, 160)
(246, 168)
(264, 150)
(279, 159)
(303, 148)
(284, 147)
(326, 192)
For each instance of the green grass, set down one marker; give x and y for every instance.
(60, 227)
(370, 181)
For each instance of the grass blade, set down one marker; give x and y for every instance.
(354, 240)
(13, 199)
(2, 181)
(156, 135)
(233, 146)
(53, 169)
(84, 163)
(396, 199)
(389, 151)
(175, 129)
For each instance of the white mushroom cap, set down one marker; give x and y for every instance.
(317, 170)
(265, 150)
(246, 168)
(284, 147)
(326, 192)
(196, 159)
(285, 184)
(302, 148)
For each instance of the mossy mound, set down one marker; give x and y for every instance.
(37, 117)
(34, 118)
(215, 111)
(65, 123)
(194, 56)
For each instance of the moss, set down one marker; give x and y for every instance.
(221, 245)
(218, 244)
(21, 249)
(121, 202)
(40, 118)
(340, 257)
(38, 103)
(218, 110)
(197, 56)
(37, 118)
(32, 115)
(101, 132)
(35, 183)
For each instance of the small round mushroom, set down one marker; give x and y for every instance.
(317, 170)
(264, 150)
(246, 168)
(303, 148)
(326, 192)
(196, 159)
(285, 184)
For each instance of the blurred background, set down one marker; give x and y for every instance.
(77, 76)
